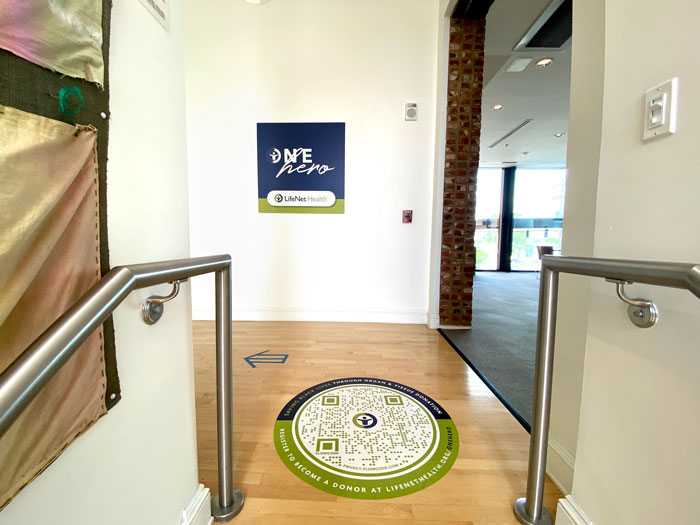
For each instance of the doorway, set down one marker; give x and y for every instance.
(519, 191)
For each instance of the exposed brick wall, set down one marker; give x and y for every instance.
(465, 83)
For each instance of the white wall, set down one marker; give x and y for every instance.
(138, 463)
(583, 154)
(352, 61)
(637, 460)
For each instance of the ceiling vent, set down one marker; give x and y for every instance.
(518, 64)
(516, 128)
(551, 31)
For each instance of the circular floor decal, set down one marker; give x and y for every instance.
(366, 438)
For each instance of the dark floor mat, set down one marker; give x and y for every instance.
(500, 347)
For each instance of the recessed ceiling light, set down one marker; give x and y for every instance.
(518, 64)
(544, 62)
(558, 135)
(257, 2)
(498, 107)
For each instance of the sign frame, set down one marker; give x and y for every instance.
(301, 167)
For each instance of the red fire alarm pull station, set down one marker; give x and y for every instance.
(407, 216)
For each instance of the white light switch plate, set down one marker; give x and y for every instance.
(660, 110)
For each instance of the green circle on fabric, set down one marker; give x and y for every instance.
(71, 100)
(366, 438)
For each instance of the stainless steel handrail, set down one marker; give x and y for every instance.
(530, 510)
(27, 374)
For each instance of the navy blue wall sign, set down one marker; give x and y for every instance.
(301, 167)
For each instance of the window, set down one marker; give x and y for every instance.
(516, 211)
(538, 206)
(489, 186)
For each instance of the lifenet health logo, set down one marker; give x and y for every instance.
(366, 438)
(274, 155)
(304, 198)
(364, 420)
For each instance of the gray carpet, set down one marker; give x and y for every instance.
(501, 344)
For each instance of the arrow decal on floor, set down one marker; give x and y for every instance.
(264, 357)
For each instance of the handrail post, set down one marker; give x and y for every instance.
(530, 510)
(229, 501)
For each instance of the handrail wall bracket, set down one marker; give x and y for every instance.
(152, 308)
(642, 312)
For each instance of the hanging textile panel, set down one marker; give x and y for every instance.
(49, 258)
(62, 35)
(34, 89)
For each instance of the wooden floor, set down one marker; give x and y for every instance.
(488, 476)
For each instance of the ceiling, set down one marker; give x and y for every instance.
(474, 9)
(538, 94)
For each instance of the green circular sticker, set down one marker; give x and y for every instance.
(71, 100)
(366, 438)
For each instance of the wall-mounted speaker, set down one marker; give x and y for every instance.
(410, 111)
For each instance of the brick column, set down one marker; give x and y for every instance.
(465, 84)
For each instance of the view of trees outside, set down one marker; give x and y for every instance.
(489, 182)
(538, 208)
(537, 215)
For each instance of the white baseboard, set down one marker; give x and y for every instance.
(434, 323)
(570, 513)
(396, 315)
(560, 465)
(433, 320)
(198, 510)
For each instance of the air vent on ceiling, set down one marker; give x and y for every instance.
(516, 128)
(551, 31)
